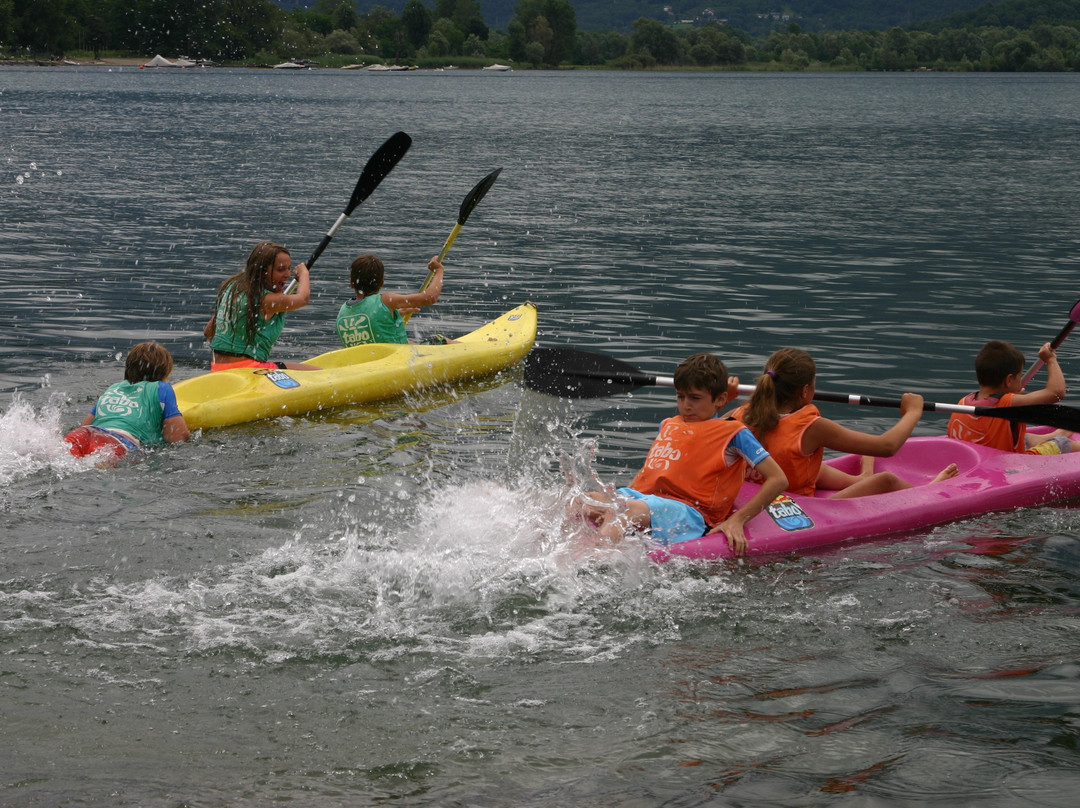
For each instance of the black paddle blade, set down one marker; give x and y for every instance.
(1056, 415)
(570, 373)
(381, 163)
(476, 194)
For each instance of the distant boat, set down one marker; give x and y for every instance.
(160, 61)
(290, 66)
(498, 67)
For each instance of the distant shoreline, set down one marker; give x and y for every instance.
(108, 61)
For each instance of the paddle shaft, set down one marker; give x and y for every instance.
(378, 166)
(471, 201)
(1074, 318)
(861, 400)
(573, 373)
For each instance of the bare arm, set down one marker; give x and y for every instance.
(832, 435)
(1055, 381)
(427, 297)
(276, 302)
(175, 429)
(775, 481)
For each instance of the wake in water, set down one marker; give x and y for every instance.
(32, 441)
(475, 568)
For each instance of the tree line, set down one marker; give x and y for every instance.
(542, 33)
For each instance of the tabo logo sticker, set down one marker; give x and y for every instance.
(788, 515)
(281, 379)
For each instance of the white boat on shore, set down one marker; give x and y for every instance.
(497, 67)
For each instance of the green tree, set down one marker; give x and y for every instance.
(46, 26)
(656, 39)
(539, 33)
(341, 42)
(7, 22)
(534, 52)
(454, 37)
(465, 14)
(559, 17)
(516, 40)
(416, 20)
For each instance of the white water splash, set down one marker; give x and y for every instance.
(31, 441)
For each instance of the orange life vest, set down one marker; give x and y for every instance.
(996, 433)
(784, 444)
(687, 463)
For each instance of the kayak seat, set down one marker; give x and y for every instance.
(920, 461)
(357, 355)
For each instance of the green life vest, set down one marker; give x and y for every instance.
(134, 408)
(367, 320)
(230, 335)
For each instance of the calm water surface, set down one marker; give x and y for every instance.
(374, 605)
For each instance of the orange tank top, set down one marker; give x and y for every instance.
(687, 463)
(784, 443)
(997, 433)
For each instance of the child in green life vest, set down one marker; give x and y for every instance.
(377, 316)
(249, 312)
(139, 410)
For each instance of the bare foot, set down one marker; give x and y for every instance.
(946, 473)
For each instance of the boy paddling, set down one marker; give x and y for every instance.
(999, 368)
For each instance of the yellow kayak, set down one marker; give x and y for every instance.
(354, 375)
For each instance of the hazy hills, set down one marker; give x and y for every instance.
(753, 16)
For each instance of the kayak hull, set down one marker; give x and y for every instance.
(988, 480)
(354, 375)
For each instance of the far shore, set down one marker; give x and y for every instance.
(110, 61)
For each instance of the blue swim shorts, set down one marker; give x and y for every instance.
(672, 521)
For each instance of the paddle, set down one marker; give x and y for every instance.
(1074, 318)
(470, 202)
(572, 373)
(381, 163)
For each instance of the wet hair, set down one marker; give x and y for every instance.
(702, 372)
(786, 372)
(148, 362)
(366, 274)
(996, 361)
(249, 285)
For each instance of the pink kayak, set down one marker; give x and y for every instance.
(989, 480)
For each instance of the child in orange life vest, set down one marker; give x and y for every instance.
(999, 367)
(694, 468)
(794, 432)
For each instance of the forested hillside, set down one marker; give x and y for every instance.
(753, 16)
(1016, 35)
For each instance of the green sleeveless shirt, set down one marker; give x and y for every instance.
(230, 335)
(134, 408)
(360, 322)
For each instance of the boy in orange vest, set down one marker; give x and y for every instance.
(694, 468)
(999, 367)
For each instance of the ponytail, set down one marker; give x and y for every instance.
(786, 372)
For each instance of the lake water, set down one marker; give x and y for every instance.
(374, 605)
